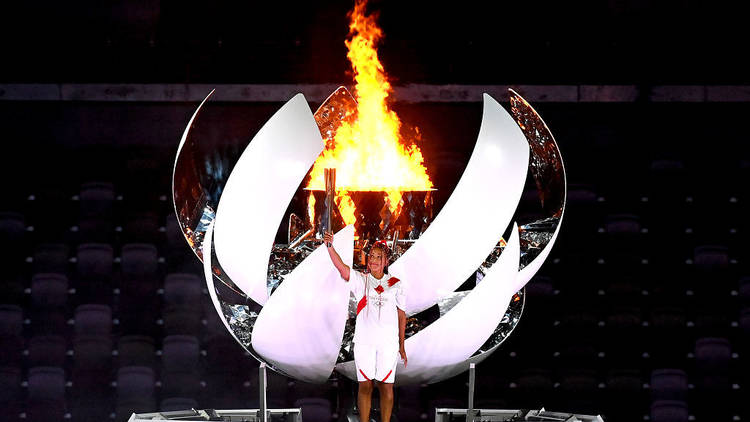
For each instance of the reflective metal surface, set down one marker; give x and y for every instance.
(200, 172)
(538, 235)
(196, 191)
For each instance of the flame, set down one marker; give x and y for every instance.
(369, 153)
(346, 208)
(311, 208)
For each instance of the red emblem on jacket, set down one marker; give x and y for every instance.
(362, 303)
(379, 289)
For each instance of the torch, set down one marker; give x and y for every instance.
(330, 176)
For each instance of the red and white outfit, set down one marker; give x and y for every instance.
(376, 342)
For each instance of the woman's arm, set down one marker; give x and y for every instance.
(401, 333)
(337, 262)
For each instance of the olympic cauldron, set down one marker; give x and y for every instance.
(273, 285)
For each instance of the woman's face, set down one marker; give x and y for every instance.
(376, 261)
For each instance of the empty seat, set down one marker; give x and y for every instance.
(624, 386)
(92, 353)
(96, 199)
(94, 269)
(622, 225)
(581, 321)
(11, 320)
(409, 403)
(623, 332)
(180, 384)
(540, 286)
(180, 353)
(667, 182)
(582, 210)
(579, 391)
(712, 378)
(624, 318)
(139, 261)
(49, 290)
(711, 273)
(744, 290)
(136, 351)
(712, 355)
(93, 319)
(667, 191)
(135, 383)
(91, 409)
(13, 288)
(182, 320)
(223, 355)
(534, 388)
(669, 384)
(91, 385)
(11, 335)
(141, 228)
(11, 394)
(668, 339)
(94, 230)
(43, 410)
(47, 350)
(94, 261)
(623, 291)
(623, 239)
(139, 318)
(225, 390)
(13, 242)
(46, 396)
(712, 320)
(744, 337)
(140, 268)
(51, 258)
(711, 258)
(669, 411)
(315, 409)
(46, 382)
(579, 354)
(49, 321)
(182, 289)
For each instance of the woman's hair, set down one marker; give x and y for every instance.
(380, 244)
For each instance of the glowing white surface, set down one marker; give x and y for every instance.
(485, 198)
(258, 192)
(300, 328)
(442, 349)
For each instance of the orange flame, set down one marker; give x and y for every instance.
(346, 208)
(311, 208)
(368, 153)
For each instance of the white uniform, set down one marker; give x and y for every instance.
(376, 341)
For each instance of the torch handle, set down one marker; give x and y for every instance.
(330, 176)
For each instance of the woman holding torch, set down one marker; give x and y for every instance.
(380, 325)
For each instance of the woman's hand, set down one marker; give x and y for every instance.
(328, 239)
(402, 352)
